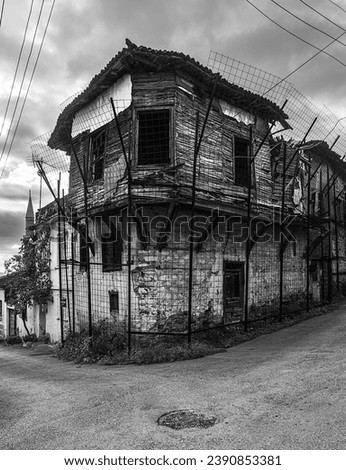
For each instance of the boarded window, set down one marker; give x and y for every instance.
(98, 150)
(112, 245)
(241, 162)
(153, 137)
(83, 249)
(114, 303)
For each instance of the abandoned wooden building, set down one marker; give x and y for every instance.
(180, 200)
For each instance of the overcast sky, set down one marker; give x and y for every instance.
(83, 35)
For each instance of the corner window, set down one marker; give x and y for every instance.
(97, 154)
(112, 246)
(241, 168)
(153, 137)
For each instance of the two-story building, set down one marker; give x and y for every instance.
(185, 169)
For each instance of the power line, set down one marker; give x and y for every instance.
(23, 79)
(321, 14)
(29, 86)
(286, 77)
(293, 34)
(305, 22)
(2, 11)
(17, 66)
(337, 5)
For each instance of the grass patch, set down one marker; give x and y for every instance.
(108, 345)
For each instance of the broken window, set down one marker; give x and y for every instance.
(241, 162)
(83, 249)
(114, 303)
(112, 245)
(153, 137)
(97, 151)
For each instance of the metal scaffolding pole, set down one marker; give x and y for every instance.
(330, 271)
(60, 276)
(336, 240)
(129, 231)
(192, 227)
(248, 239)
(72, 282)
(308, 241)
(197, 146)
(282, 217)
(86, 214)
(66, 266)
(322, 240)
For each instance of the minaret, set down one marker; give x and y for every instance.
(29, 217)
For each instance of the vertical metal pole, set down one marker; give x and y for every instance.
(248, 240)
(129, 258)
(330, 270)
(129, 231)
(308, 241)
(191, 231)
(60, 276)
(87, 238)
(72, 281)
(322, 240)
(282, 217)
(336, 239)
(66, 267)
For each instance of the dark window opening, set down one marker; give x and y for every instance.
(112, 246)
(153, 137)
(241, 162)
(114, 303)
(0, 310)
(83, 249)
(98, 150)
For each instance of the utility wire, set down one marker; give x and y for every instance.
(23, 79)
(29, 86)
(337, 5)
(293, 34)
(323, 16)
(17, 66)
(2, 11)
(305, 22)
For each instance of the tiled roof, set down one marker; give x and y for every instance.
(140, 57)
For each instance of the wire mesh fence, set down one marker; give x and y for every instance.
(189, 215)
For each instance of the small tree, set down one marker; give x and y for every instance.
(29, 272)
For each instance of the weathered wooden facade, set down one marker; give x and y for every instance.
(176, 206)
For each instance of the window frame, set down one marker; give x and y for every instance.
(91, 161)
(248, 159)
(171, 140)
(117, 248)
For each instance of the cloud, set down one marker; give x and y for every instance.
(83, 37)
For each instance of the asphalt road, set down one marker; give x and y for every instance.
(285, 390)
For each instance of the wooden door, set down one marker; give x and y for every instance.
(233, 291)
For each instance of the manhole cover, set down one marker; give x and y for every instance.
(181, 419)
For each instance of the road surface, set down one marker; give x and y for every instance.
(285, 390)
